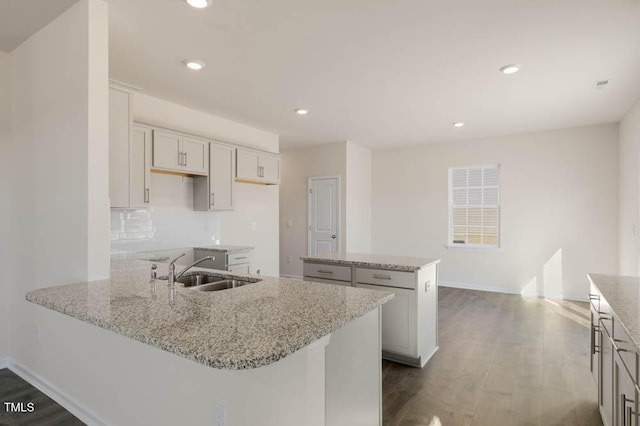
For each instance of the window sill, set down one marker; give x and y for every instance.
(472, 248)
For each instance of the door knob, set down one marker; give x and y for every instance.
(333, 236)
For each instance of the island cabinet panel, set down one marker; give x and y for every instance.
(329, 272)
(398, 320)
(614, 354)
(410, 319)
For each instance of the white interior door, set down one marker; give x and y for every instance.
(324, 215)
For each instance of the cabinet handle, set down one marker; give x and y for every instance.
(382, 277)
(146, 195)
(239, 258)
(321, 271)
(185, 159)
(593, 296)
(212, 200)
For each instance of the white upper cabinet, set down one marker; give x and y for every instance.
(179, 153)
(140, 167)
(215, 192)
(129, 153)
(257, 166)
(221, 176)
(195, 155)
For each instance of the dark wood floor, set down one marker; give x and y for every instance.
(46, 411)
(503, 360)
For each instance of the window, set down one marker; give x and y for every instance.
(474, 206)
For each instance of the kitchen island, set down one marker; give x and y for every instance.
(410, 320)
(279, 351)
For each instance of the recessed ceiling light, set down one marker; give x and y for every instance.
(301, 111)
(193, 65)
(458, 124)
(199, 4)
(510, 69)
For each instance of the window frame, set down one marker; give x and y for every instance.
(473, 247)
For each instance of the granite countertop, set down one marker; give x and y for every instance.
(623, 295)
(226, 248)
(382, 261)
(240, 328)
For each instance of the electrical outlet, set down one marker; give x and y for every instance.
(289, 259)
(218, 415)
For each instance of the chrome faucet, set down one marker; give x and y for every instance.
(172, 268)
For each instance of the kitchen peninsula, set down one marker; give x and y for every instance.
(279, 351)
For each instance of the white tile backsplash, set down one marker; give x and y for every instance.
(158, 228)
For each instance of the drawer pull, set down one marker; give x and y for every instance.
(238, 258)
(321, 271)
(381, 277)
(593, 296)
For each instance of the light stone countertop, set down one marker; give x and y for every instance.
(623, 295)
(381, 261)
(241, 328)
(226, 248)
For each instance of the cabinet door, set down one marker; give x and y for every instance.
(398, 320)
(596, 345)
(195, 156)
(140, 165)
(605, 398)
(221, 176)
(239, 269)
(269, 168)
(625, 401)
(119, 128)
(166, 151)
(247, 165)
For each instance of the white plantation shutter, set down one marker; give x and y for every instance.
(474, 206)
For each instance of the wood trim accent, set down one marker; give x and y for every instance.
(171, 172)
(254, 182)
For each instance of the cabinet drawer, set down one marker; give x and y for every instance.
(626, 349)
(332, 272)
(386, 278)
(324, 281)
(236, 258)
(242, 268)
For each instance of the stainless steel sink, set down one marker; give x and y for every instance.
(210, 282)
(221, 285)
(194, 280)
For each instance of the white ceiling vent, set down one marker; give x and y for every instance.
(600, 84)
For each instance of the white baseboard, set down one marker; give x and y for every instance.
(3, 363)
(467, 286)
(295, 277)
(66, 401)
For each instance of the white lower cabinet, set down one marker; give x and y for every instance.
(409, 320)
(398, 320)
(614, 366)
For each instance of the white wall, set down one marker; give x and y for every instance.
(629, 195)
(59, 145)
(6, 200)
(297, 166)
(358, 195)
(254, 220)
(559, 197)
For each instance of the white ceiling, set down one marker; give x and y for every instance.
(19, 19)
(377, 72)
